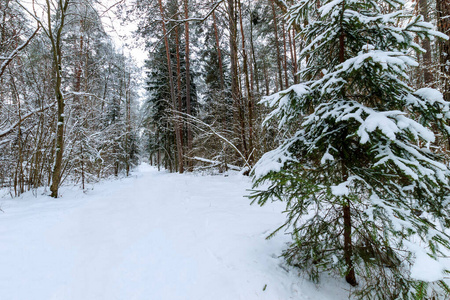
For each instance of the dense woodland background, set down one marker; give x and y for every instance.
(353, 135)
(70, 108)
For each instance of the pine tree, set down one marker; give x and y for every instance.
(365, 187)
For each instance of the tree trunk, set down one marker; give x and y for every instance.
(293, 55)
(286, 78)
(277, 45)
(427, 75)
(82, 168)
(128, 124)
(247, 87)
(255, 65)
(266, 78)
(350, 277)
(235, 88)
(172, 88)
(188, 82)
(219, 52)
(443, 22)
(348, 247)
(57, 60)
(179, 123)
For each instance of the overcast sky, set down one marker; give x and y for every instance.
(122, 34)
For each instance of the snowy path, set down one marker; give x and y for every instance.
(150, 237)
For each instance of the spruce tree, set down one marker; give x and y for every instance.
(158, 110)
(364, 182)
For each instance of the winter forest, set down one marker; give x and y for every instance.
(331, 117)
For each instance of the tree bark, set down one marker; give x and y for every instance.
(348, 247)
(350, 277)
(219, 52)
(286, 78)
(443, 22)
(179, 122)
(235, 88)
(277, 45)
(266, 79)
(293, 55)
(255, 78)
(427, 75)
(188, 81)
(57, 63)
(247, 87)
(172, 89)
(128, 123)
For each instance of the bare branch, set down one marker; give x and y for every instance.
(197, 19)
(11, 128)
(16, 51)
(198, 121)
(181, 21)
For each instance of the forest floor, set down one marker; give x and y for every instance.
(151, 236)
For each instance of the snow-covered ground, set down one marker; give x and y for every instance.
(153, 236)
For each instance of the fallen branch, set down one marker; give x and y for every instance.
(215, 163)
(213, 131)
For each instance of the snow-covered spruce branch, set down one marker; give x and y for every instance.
(8, 60)
(11, 128)
(213, 131)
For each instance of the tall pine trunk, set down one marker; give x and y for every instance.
(426, 56)
(219, 52)
(188, 82)
(443, 22)
(235, 87)
(286, 78)
(247, 87)
(172, 90)
(277, 45)
(179, 125)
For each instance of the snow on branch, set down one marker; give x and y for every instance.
(215, 6)
(11, 128)
(217, 134)
(215, 163)
(180, 21)
(7, 60)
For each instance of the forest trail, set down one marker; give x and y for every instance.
(154, 235)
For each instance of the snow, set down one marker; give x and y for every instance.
(431, 95)
(427, 269)
(324, 10)
(274, 160)
(342, 188)
(327, 157)
(281, 103)
(424, 268)
(152, 236)
(378, 120)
